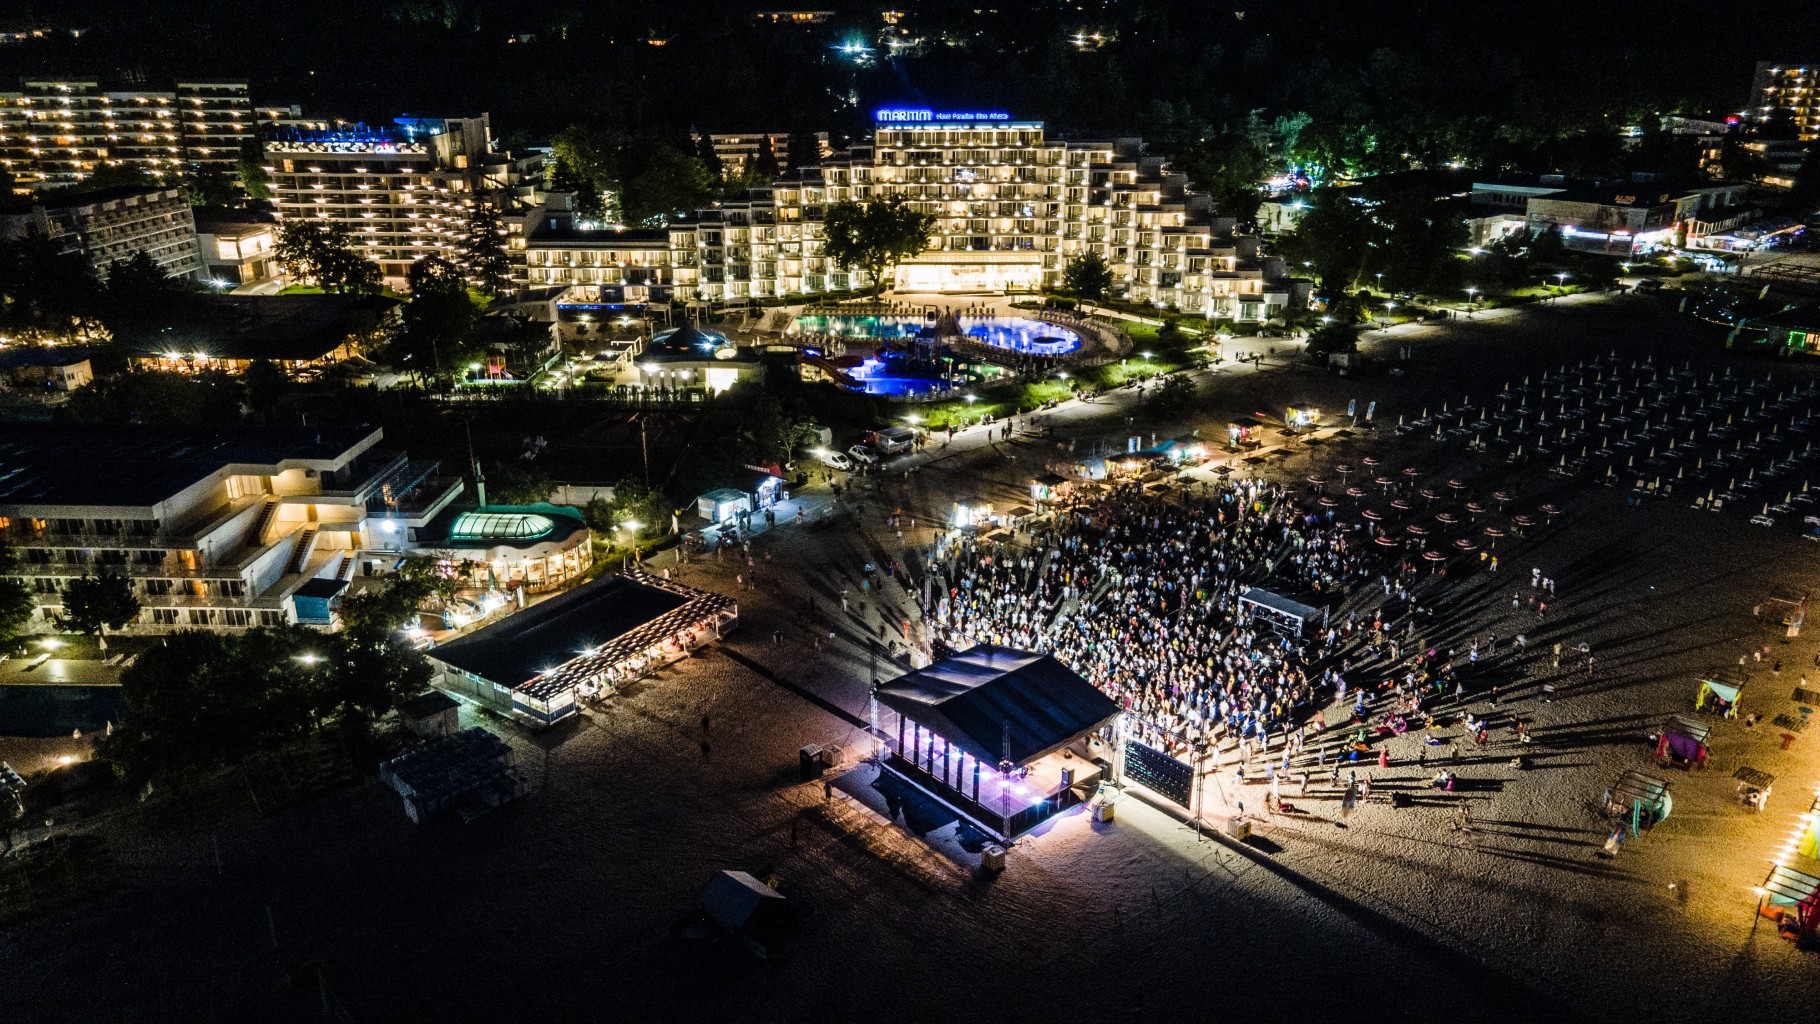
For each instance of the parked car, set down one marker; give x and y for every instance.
(861, 453)
(835, 460)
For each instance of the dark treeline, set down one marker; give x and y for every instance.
(1488, 82)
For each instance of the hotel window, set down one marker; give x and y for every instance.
(164, 616)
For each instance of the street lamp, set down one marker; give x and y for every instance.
(307, 658)
(913, 419)
(1380, 280)
(1561, 279)
(1470, 292)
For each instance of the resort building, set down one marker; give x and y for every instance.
(402, 193)
(538, 547)
(689, 357)
(536, 665)
(1787, 90)
(219, 528)
(300, 334)
(1012, 207)
(1616, 217)
(236, 247)
(57, 132)
(111, 224)
(736, 150)
(55, 368)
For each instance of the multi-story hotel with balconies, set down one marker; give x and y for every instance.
(109, 225)
(1012, 207)
(214, 528)
(57, 132)
(1778, 89)
(402, 193)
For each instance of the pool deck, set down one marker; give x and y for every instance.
(45, 671)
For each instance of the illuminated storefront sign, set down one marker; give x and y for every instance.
(923, 115)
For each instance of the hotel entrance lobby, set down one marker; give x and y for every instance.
(970, 272)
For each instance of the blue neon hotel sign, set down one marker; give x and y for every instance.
(923, 115)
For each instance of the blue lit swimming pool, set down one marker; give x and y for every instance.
(875, 377)
(1014, 334)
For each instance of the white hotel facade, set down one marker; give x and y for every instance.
(1012, 207)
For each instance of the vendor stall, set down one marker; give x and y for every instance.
(1050, 487)
(722, 504)
(1682, 741)
(1301, 416)
(1640, 798)
(1244, 432)
(1719, 693)
(971, 513)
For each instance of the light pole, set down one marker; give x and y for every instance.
(1470, 292)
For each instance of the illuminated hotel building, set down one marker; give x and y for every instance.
(1012, 207)
(1787, 88)
(212, 528)
(400, 192)
(57, 132)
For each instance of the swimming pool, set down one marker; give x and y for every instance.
(876, 378)
(44, 711)
(1014, 334)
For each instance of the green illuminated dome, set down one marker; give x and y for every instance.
(500, 526)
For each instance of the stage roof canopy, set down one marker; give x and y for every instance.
(998, 702)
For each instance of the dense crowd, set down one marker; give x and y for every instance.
(1141, 596)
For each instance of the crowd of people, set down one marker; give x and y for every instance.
(1140, 595)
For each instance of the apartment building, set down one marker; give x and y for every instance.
(1012, 207)
(236, 247)
(736, 150)
(402, 192)
(57, 132)
(1787, 89)
(215, 527)
(1617, 217)
(112, 224)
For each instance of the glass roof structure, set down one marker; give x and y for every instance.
(500, 526)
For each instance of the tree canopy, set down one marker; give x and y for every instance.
(203, 701)
(46, 292)
(1087, 276)
(440, 331)
(93, 603)
(482, 250)
(875, 237)
(1332, 239)
(635, 178)
(16, 605)
(325, 253)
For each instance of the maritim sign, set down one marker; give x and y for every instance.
(923, 115)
